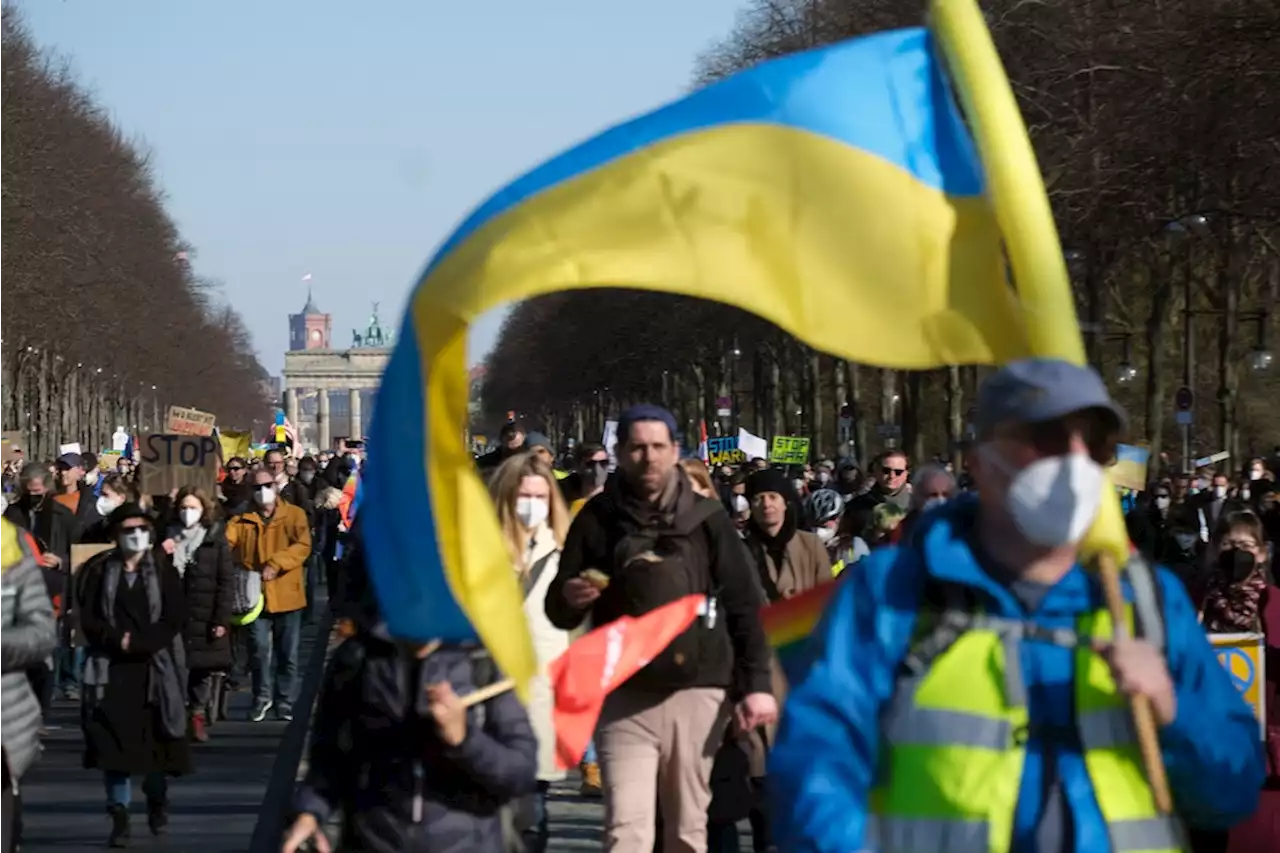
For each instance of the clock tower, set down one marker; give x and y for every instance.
(310, 329)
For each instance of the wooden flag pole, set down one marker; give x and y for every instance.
(484, 694)
(1144, 720)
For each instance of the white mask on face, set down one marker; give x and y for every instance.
(826, 534)
(1162, 503)
(1219, 492)
(190, 516)
(105, 505)
(135, 540)
(532, 511)
(740, 504)
(1053, 500)
(91, 476)
(1255, 474)
(265, 495)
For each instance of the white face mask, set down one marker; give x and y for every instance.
(740, 504)
(265, 495)
(799, 485)
(1245, 494)
(1162, 503)
(91, 476)
(106, 505)
(1053, 500)
(190, 516)
(1255, 474)
(135, 540)
(1219, 492)
(826, 534)
(532, 511)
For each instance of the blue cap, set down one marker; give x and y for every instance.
(644, 412)
(1035, 390)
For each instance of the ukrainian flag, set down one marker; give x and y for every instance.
(836, 193)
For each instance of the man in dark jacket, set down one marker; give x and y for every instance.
(397, 751)
(73, 494)
(645, 541)
(510, 442)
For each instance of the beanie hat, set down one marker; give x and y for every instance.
(770, 480)
(644, 412)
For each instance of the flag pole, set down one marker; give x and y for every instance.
(1031, 241)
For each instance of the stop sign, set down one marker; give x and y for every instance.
(1183, 399)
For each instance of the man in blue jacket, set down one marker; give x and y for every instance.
(967, 693)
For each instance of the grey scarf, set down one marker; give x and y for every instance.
(167, 682)
(186, 542)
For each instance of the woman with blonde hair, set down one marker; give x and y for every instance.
(699, 477)
(534, 521)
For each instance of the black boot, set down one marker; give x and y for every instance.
(157, 816)
(119, 826)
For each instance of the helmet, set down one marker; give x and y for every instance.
(824, 505)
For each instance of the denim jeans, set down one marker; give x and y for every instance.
(275, 635)
(120, 790)
(589, 757)
(536, 835)
(68, 668)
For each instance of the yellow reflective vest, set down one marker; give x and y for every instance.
(953, 743)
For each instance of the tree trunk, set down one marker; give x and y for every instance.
(816, 420)
(888, 409)
(859, 454)
(1157, 327)
(955, 417)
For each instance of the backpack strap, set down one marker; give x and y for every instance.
(1148, 602)
(947, 610)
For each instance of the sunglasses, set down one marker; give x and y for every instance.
(897, 472)
(236, 468)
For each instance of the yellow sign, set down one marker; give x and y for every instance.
(1245, 660)
(789, 450)
(108, 460)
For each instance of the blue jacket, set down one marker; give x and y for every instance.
(822, 766)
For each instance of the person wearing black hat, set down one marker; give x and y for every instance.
(647, 540)
(132, 611)
(967, 688)
(788, 560)
(511, 440)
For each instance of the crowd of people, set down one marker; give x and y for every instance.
(967, 687)
(190, 597)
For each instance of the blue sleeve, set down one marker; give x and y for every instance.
(821, 767)
(1213, 748)
(502, 757)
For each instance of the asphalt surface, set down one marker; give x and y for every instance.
(214, 810)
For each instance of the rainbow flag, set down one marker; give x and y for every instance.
(788, 624)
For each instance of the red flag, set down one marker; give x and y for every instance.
(599, 661)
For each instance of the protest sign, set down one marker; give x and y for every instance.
(1130, 468)
(183, 421)
(108, 459)
(789, 450)
(723, 450)
(752, 446)
(72, 447)
(1244, 658)
(10, 446)
(172, 461)
(235, 443)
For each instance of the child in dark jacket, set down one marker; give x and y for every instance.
(410, 768)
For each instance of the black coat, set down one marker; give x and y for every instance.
(55, 529)
(124, 732)
(377, 759)
(208, 583)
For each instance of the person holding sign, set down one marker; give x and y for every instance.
(273, 538)
(1236, 600)
(968, 689)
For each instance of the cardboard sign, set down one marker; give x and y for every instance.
(170, 462)
(11, 446)
(81, 554)
(1130, 468)
(789, 450)
(73, 447)
(1244, 658)
(724, 450)
(108, 459)
(189, 422)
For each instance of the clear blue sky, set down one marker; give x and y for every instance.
(346, 139)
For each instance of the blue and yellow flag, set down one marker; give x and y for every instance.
(835, 193)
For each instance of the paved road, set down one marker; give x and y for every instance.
(212, 811)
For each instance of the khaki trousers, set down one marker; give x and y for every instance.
(655, 749)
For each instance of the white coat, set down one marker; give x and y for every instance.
(549, 642)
